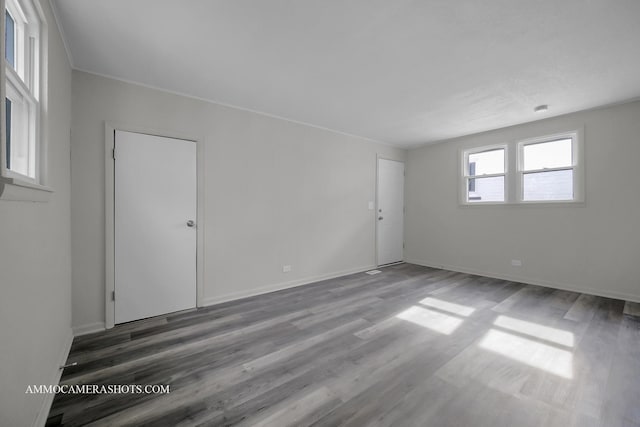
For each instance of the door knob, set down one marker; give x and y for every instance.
(380, 218)
(191, 223)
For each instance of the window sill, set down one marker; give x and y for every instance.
(559, 203)
(21, 191)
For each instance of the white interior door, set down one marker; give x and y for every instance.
(155, 235)
(390, 213)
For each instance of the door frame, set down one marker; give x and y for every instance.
(109, 143)
(404, 197)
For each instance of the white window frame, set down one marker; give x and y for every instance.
(514, 169)
(464, 193)
(576, 166)
(25, 82)
(16, 89)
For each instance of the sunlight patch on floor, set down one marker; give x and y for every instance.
(533, 353)
(554, 335)
(430, 319)
(461, 310)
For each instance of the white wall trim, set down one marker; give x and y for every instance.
(530, 281)
(109, 135)
(56, 16)
(89, 328)
(281, 286)
(43, 413)
(236, 107)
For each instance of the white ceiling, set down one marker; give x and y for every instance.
(400, 71)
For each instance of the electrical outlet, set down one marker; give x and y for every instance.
(286, 268)
(516, 263)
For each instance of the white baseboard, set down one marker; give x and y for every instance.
(43, 414)
(88, 329)
(531, 281)
(280, 286)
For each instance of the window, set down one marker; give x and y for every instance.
(22, 97)
(485, 175)
(546, 169)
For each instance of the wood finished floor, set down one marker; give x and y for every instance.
(411, 346)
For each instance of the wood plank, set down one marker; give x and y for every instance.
(409, 346)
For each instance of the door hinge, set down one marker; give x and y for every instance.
(113, 295)
(113, 153)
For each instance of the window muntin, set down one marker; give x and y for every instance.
(485, 175)
(22, 31)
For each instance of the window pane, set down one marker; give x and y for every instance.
(7, 104)
(9, 39)
(554, 185)
(18, 149)
(486, 189)
(552, 154)
(486, 162)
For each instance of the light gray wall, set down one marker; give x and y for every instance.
(276, 193)
(35, 263)
(593, 248)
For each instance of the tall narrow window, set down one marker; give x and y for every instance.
(547, 169)
(485, 175)
(22, 66)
